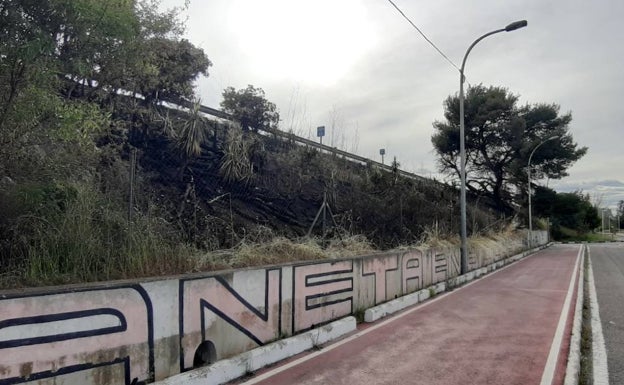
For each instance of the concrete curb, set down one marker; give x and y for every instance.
(573, 368)
(380, 311)
(232, 368)
(388, 308)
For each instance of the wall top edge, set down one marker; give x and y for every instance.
(103, 285)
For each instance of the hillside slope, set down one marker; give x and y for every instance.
(141, 204)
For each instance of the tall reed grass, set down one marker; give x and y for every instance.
(88, 238)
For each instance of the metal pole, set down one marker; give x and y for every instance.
(530, 240)
(324, 213)
(462, 157)
(133, 156)
(529, 235)
(462, 144)
(548, 229)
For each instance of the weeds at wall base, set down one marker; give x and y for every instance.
(359, 315)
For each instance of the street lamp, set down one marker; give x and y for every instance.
(462, 145)
(530, 243)
(606, 224)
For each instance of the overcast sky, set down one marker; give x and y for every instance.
(358, 66)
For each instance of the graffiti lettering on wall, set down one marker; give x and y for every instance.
(202, 300)
(59, 334)
(378, 269)
(412, 271)
(321, 292)
(440, 267)
(110, 334)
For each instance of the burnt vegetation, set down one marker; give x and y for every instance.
(101, 177)
(148, 202)
(244, 180)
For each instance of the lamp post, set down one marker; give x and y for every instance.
(462, 145)
(529, 242)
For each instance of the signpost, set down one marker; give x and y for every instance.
(320, 132)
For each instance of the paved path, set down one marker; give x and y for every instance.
(608, 266)
(498, 330)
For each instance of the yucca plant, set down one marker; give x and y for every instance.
(236, 165)
(192, 134)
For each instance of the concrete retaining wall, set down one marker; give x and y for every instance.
(122, 332)
(539, 237)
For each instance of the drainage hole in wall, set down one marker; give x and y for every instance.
(205, 354)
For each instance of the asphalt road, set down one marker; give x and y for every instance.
(501, 329)
(608, 265)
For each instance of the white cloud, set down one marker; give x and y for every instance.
(605, 193)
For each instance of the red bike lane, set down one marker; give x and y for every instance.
(497, 330)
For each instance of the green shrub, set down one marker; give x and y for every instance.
(75, 233)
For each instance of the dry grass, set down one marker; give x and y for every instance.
(493, 246)
(146, 254)
(487, 247)
(349, 247)
(278, 250)
(282, 250)
(440, 242)
(266, 249)
(433, 238)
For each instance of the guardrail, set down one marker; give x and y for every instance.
(292, 137)
(334, 150)
(175, 102)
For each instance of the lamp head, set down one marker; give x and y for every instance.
(516, 25)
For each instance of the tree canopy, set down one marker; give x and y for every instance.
(78, 80)
(500, 135)
(572, 210)
(250, 108)
(63, 62)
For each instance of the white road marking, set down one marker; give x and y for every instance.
(573, 368)
(555, 347)
(364, 332)
(599, 359)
